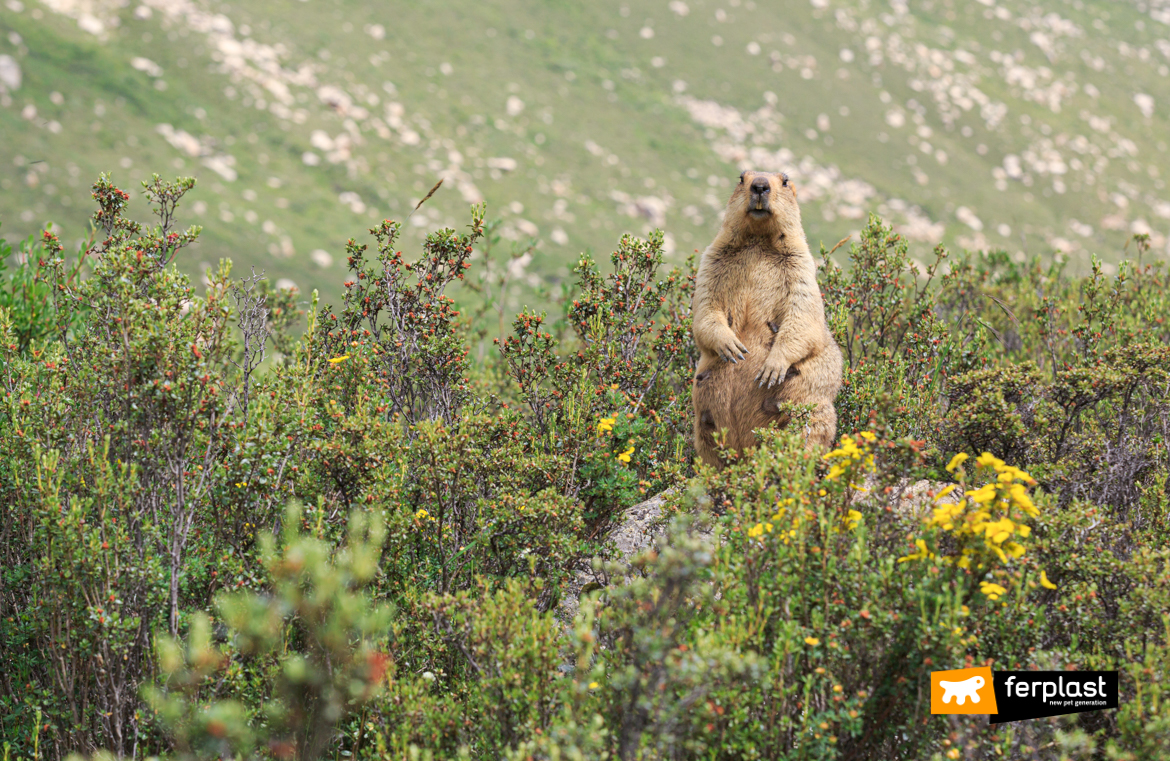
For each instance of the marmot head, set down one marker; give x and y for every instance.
(763, 204)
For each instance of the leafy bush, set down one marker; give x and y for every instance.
(159, 596)
(314, 636)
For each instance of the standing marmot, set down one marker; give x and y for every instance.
(759, 323)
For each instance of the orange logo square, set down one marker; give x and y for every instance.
(962, 691)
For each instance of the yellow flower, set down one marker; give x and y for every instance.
(1015, 473)
(613, 387)
(945, 514)
(1019, 494)
(1044, 582)
(991, 589)
(921, 554)
(811, 641)
(756, 530)
(625, 456)
(848, 449)
(335, 360)
(987, 459)
(999, 531)
(593, 685)
(868, 436)
(852, 520)
(241, 484)
(956, 461)
(983, 494)
(606, 424)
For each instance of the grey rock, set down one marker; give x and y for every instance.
(907, 501)
(633, 533)
(9, 73)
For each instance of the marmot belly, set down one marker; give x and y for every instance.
(728, 396)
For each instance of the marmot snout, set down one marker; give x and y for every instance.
(759, 322)
(759, 204)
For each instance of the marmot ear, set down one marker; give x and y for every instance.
(741, 176)
(784, 179)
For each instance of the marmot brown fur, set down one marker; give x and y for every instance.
(759, 323)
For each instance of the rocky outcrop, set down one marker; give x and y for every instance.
(907, 500)
(916, 500)
(641, 526)
(632, 534)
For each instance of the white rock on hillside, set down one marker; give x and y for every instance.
(9, 73)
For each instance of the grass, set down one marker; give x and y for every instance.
(590, 75)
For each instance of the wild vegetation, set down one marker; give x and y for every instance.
(235, 527)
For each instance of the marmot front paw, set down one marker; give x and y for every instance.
(730, 349)
(773, 372)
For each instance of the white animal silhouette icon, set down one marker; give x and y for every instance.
(962, 690)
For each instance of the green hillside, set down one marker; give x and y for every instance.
(1029, 126)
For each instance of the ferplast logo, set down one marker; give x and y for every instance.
(1035, 694)
(1092, 692)
(963, 691)
(1018, 695)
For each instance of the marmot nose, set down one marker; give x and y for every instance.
(760, 185)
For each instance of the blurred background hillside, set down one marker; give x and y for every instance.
(1029, 126)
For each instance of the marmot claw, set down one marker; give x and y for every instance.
(728, 351)
(772, 374)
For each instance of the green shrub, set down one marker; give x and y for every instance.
(154, 436)
(315, 636)
(28, 296)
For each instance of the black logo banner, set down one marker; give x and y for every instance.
(1023, 695)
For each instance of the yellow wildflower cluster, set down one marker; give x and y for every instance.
(987, 524)
(992, 590)
(787, 521)
(759, 529)
(852, 520)
(423, 515)
(850, 455)
(606, 425)
(853, 455)
(782, 512)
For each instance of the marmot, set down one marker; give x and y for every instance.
(759, 323)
